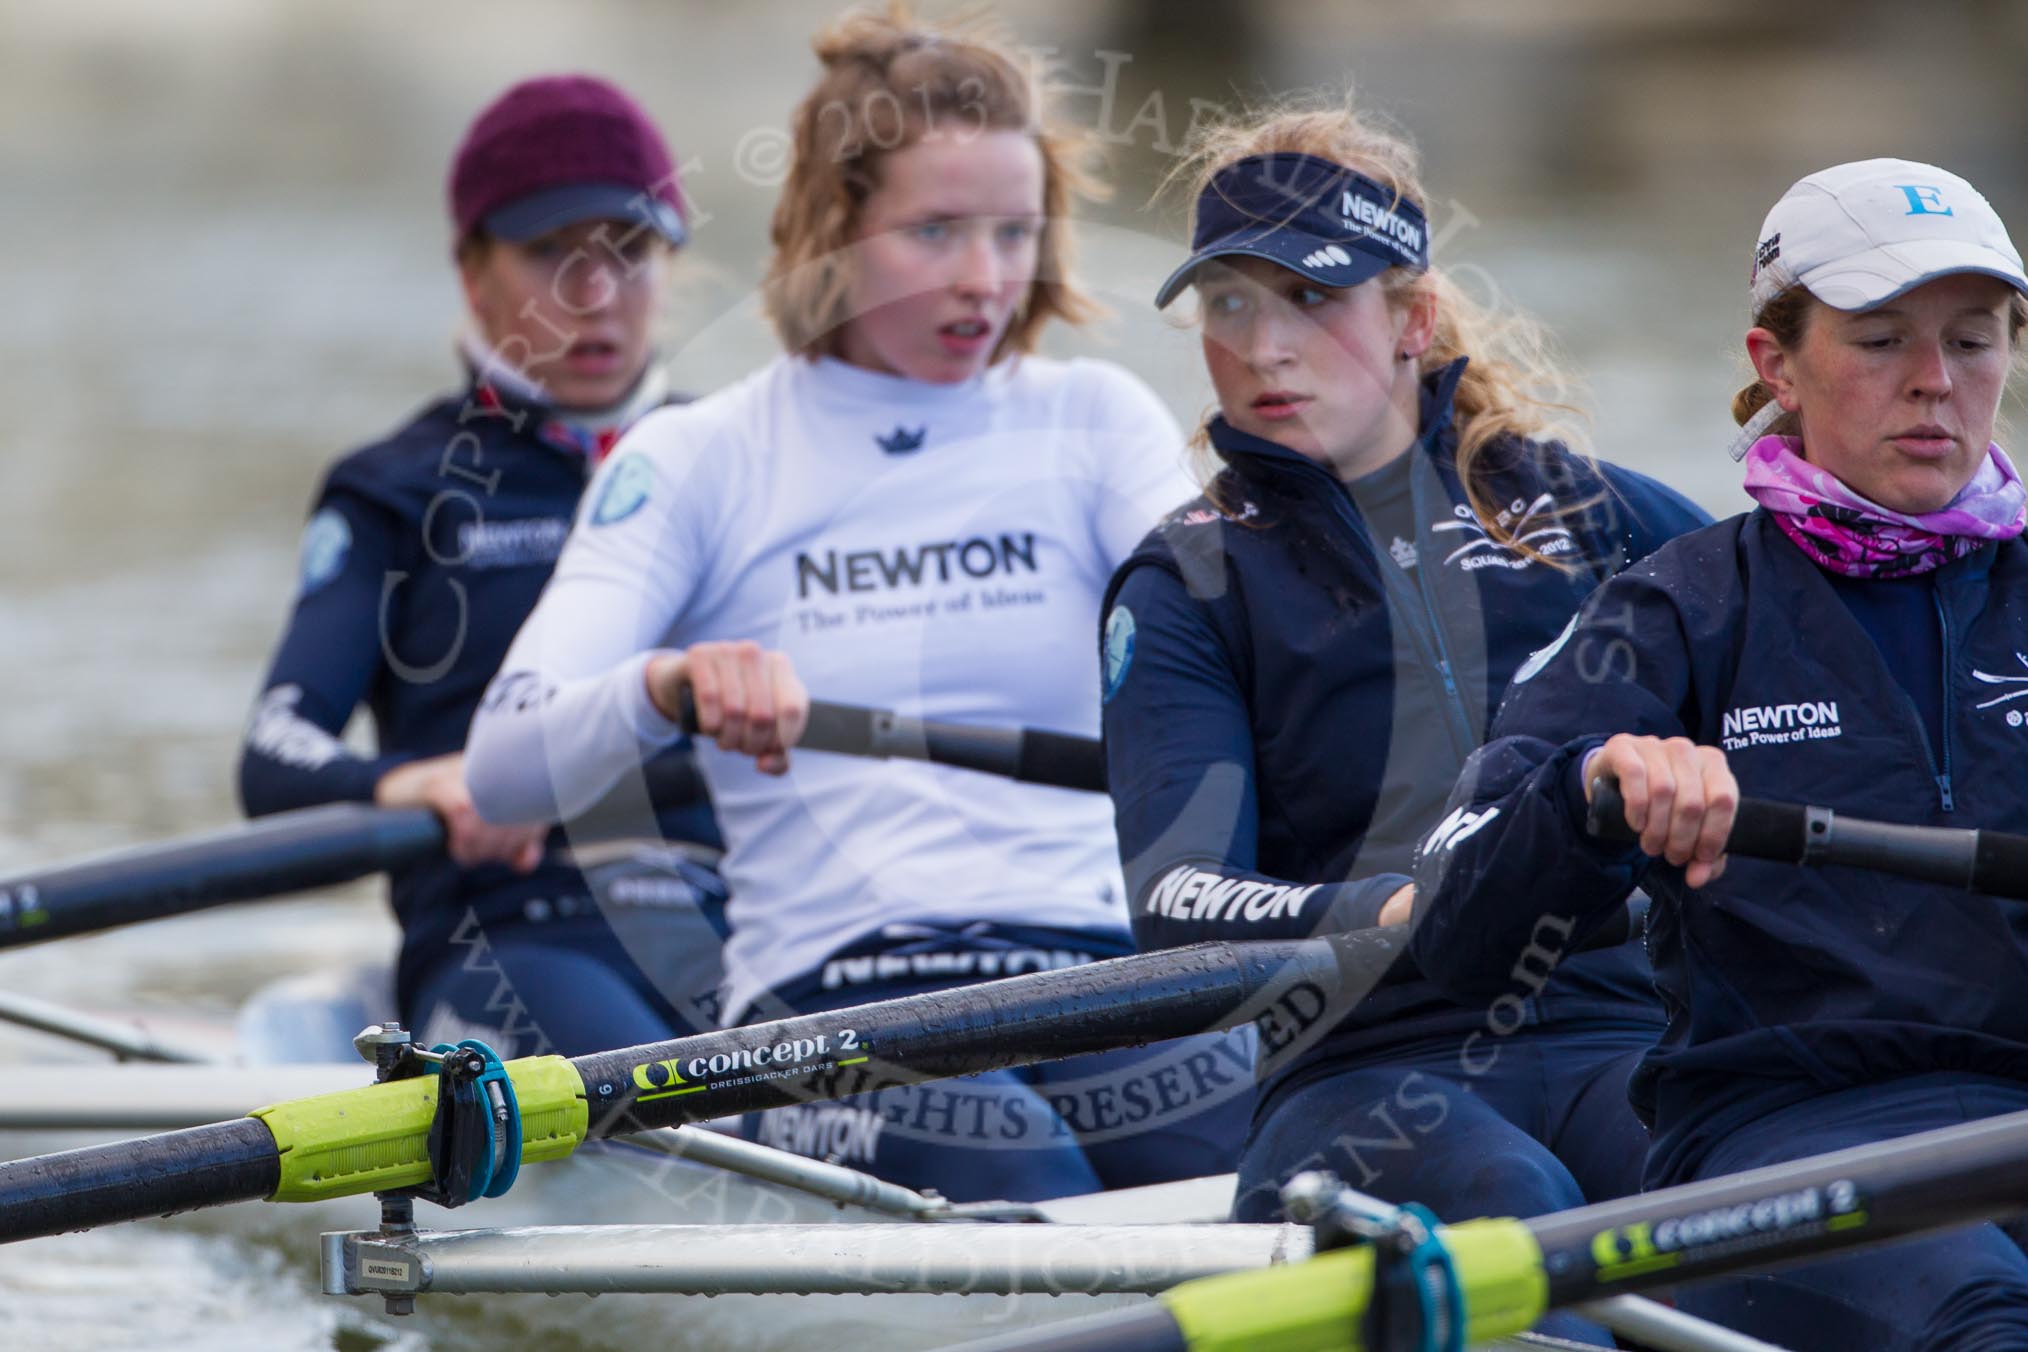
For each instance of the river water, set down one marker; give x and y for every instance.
(222, 261)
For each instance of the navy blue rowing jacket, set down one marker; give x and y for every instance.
(423, 555)
(1780, 982)
(1287, 704)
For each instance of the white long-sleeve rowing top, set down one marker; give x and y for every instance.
(937, 549)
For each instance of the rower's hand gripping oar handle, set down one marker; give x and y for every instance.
(1031, 755)
(1991, 862)
(1760, 829)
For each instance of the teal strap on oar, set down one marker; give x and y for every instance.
(1418, 1304)
(475, 1137)
(1415, 1301)
(507, 1163)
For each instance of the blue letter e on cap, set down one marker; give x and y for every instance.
(1924, 200)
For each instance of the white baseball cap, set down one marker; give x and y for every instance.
(1858, 235)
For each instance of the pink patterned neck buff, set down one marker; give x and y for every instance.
(1852, 535)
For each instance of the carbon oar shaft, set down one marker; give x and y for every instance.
(373, 1138)
(1287, 987)
(293, 852)
(1787, 1212)
(1511, 1272)
(1991, 862)
(274, 856)
(130, 1180)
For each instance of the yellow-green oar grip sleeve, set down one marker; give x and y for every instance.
(1296, 1308)
(1500, 1268)
(1309, 1307)
(376, 1137)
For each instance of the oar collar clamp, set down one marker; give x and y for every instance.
(1415, 1302)
(1417, 1305)
(475, 1136)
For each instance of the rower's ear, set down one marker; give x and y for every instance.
(1417, 316)
(1773, 363)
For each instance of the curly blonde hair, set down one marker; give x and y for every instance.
(1514, 387)
(887, 81)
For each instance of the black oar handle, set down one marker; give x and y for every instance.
(1991, 862)
(1760, 829)
(1031, 755)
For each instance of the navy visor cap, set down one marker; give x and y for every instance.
(1322, 220)
(539, 213)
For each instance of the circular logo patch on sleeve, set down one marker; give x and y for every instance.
(625, 491)
(1119, 649)
(326, 542)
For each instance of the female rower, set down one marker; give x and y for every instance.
(426, 549)
(1855, 641)
(1298, 663)
(906, 508)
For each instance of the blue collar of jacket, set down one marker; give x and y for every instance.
(1245, 451)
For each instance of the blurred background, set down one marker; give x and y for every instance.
(224, 260)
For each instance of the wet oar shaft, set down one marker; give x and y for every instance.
(374, 1138)
(1286, 987)
(129, 1180)
(1511, 1272)
(275, 856)
(317, 847)
(1864, 1195)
